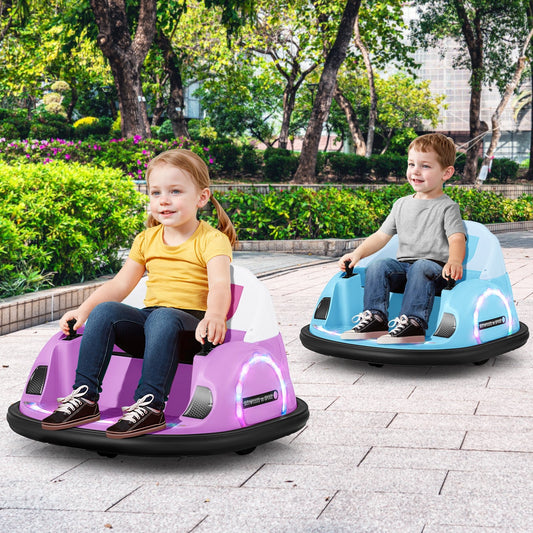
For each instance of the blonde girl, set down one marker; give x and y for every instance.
(188, 289)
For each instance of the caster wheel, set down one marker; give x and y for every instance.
(109, 455)
(246, 451)
(480, 363)
(377, 365)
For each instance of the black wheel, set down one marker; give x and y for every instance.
(110, 455)
(480, 363)
(246, 451)
(377, 365)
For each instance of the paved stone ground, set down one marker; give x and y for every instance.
(391, 449)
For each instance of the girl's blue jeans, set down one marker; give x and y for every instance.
(419, 280)
(152, 333)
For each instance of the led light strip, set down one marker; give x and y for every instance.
(479, 304)
(255, 359)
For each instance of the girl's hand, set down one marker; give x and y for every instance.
(212, 328)
(69, 315)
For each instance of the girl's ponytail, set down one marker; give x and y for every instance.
(224, 223)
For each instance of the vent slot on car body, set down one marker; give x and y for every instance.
(322, 309)
(36, 382)
(201, 403)
(446, 327)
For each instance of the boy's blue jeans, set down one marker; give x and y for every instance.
(151, 333)
(419, 280)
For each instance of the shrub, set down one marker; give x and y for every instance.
(226, 156)
(251, 160)
(503, 169)
(385, 165)
(92, 127)
(166, 132)
(64, 221)
(348, 165)
(14, 124)
(301, 213)
(46, 125)
(279, 167)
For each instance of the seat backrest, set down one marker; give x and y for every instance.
(484, 257)
(251, 309)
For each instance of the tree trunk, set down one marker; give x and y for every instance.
(353, 124)
(176, 99)
(126, 57)
(373, 114)
(474, 41)
(307, 167)
(289, 98)
(509, 90)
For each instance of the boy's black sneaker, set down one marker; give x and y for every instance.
(75, 410)
(139, 419)
(405, 330)
(369, 326)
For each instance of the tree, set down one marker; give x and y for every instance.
(488, 29)
(126, 57)
(509, 90)
(326, 86)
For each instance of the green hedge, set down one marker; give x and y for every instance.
(302, 213)
(62, 223)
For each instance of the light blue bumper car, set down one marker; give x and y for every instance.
(472, 321)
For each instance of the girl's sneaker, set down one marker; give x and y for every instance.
(139, 419)
(406, 330)
(75, 410)
(368, 326)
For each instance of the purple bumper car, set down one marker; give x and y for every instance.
(230, 398)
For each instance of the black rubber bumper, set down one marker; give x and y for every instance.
(435, 356)
(237, 440)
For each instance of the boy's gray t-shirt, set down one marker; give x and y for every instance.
(423, 227)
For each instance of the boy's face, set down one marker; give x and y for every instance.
(426, 175)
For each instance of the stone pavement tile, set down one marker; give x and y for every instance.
(52, 521)
(510, 382)
(410, 406)
(513, 512)
(447, 528)
(509, 407)
(64, 495)
(398, 438)
(505, 441)
(349, 419)
(479, 483)
(466, 460)
(21, 469)
(466, 392)
(319, 403)
(466, 422)
(358, 390)
(339, 477)
(213, 500)
(329, 371)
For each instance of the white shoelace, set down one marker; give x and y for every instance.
(136, 411)
(72, 401)
(362, 319)
(399, 323)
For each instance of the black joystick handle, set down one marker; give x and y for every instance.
(348, 269)
(450, 283)
(206, 347)
(71, 333)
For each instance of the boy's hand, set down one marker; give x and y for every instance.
(348, 257)
(452, 270)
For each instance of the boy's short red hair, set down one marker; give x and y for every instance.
(443, 146)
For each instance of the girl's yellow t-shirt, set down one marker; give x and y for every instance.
(177, 275)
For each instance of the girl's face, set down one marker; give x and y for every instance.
(426, 175)
(175, 199)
